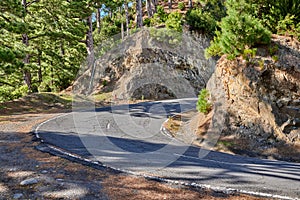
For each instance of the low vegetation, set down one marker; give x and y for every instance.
(203, 104)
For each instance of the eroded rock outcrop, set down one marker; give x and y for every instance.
(150, 66)
(261, 97)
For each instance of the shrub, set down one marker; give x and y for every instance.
(8, 93)
(203, 105)
(201, 20)
(174, 21)
(249, 54)
(160, 17)
(279, 13)
(206, 18)
(161, 13)
(181, 6)
(147, 22)
(239, 30)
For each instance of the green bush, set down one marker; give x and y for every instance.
(239, 30)
(174, 21)
(160, 17)
(206, 18)
(161, 13)
(278, 14)
(181, 6)
(147, 22)
(203, 105)
(8, 93)
(200, 20)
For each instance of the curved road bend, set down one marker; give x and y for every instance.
(128, 137)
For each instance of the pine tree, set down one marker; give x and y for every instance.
(139, 14)
(12, 51)
(239, 30)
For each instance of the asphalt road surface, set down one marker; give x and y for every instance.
(129, 137)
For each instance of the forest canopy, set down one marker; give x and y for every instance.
(43, 43)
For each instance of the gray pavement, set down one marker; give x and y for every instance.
(128, 137)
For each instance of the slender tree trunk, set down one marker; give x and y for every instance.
(26, 60)
(127, 18)
(190, 4)
(90, 42)
(154, 5)
(52, 75)
(149, 8)
(170, 4)
(122, 24)
(139, 14)
(98, 19)
(40, 74)
(90, 51)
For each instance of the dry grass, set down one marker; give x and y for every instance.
(128, 188)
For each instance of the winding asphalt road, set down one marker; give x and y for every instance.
(128, 137)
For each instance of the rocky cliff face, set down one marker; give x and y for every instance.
(151, 64)
(260, 97)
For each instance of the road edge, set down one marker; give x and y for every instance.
(53, 150)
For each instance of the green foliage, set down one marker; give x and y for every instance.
(174, 21)
(273, 49)
(239, 31)
(8, 93)
(275, 58)
(280, 16)
(206, 17)
(162, 13)
(159, 18)
(181, 6)
(261, 64)
(109, 28)
(147, 22)
(203, 105)
(249, 53)
(201, 20)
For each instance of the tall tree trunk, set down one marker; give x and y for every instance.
(190, 4)
(149, 8)
(90, 51)
(154, 5)
(139, 14)
(122, 24)
(90, 42)
(170, 4)
(40, 74)
(26, 60)
(98, 19)
(127, 18)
